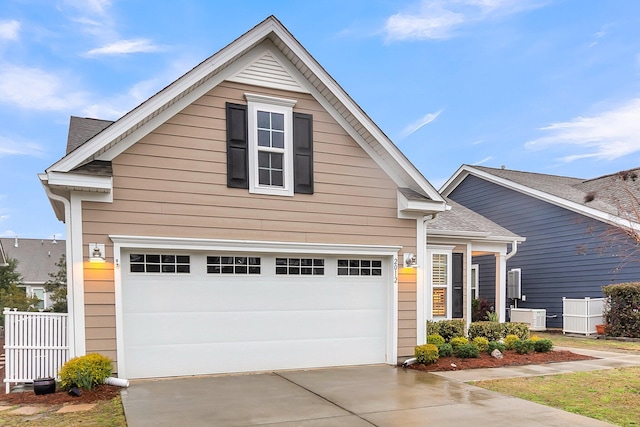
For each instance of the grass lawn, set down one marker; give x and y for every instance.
(591, 343)
(610, 395)
(105, 414)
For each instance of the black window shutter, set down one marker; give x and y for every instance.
(457, 301)
(303, 153)
(237, 146)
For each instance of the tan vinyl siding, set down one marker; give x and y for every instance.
(172, 183)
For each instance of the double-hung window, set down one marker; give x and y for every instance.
(440, 280)
(270, 128)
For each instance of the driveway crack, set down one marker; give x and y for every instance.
(325, 399)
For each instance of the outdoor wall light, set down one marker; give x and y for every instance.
(410, 260)
(96, 252)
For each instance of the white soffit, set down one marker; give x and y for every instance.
(267, 71)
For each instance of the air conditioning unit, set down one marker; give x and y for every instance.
(534, 317)
(514, 288)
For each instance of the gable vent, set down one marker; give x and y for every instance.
(268, 72)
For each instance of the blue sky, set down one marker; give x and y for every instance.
(547, 86)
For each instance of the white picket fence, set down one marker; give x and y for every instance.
(580, 316)
(36, 345)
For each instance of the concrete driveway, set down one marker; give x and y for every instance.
(350, 396)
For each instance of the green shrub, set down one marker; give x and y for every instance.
(85, 372)
(521, 330)
(510, 341)
(458, 341)
(482, 343)
(445, 350)
(543, 345)
(466, 351)
(435, 339)
(496, 345)
(524, 346)
(447, 329)
(427, 353)
(492, 331)
(622, 311)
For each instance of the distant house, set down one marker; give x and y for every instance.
(574, 241)
(37, 259)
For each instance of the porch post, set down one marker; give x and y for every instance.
(501, 286)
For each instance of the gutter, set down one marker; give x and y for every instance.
(514, 250)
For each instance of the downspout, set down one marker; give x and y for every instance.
(426, 290)
(514, 250)
(69, 261)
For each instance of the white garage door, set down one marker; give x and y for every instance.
(205, 313)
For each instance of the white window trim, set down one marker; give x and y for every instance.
(476, 268)
(276, 105)
(440, 250)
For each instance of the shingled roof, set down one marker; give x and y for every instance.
(82, 129)
(461, 220)
(36, 257)
(604, 197)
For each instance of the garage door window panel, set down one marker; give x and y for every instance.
(229, 264)
(300, 266)
(159, 263)
(359, 267)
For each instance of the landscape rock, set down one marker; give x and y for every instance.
(496, 354)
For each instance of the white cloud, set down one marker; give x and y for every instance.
(483, 161)
(122, 47)
(438, 19)
(4, 217)
(8, 233)
(606, 136)
(9, 147)
(417, 125)
(9, 30)
(36, 89)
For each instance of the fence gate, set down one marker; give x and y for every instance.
(36, 345)
(581, 316)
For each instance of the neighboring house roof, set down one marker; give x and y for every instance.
(465, 223)
(36, 257)
(3, 257)
(607, 198)
(234, 62)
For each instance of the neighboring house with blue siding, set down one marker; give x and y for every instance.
(574, 229)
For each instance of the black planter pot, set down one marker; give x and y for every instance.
(44, 386)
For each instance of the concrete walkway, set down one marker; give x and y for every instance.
(352, 396)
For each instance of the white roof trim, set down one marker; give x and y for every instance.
(141, 242)
(474, 235)
(597, 214)
(155, 109)
(80, 182)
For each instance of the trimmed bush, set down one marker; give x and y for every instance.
(542, 345)
(435, 339)
(482, 343)
(447, 329)
(445, 350)
(524, 346)
(622, 312)
(427, 353)
(466, 351)
(510, 341)
(492, 331)
(496, 345)
(521, 330)
(85, 372)
(458, 341)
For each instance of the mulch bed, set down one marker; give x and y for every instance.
(511, 358)
(101, 392)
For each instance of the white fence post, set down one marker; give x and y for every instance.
(580, 316)
(35, 345)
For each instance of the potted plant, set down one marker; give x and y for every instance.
(600, 329)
